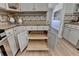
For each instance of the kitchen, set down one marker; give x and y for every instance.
(39, 29)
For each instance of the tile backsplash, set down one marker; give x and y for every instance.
(3, 18)
(28, 18)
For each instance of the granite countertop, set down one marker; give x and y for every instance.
(74, 23)
(8, 26)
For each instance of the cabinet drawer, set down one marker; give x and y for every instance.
(31, 27)
(28, 27)
(37, 27)
(43, 27)
(9, 32)
(40, 27)
(34, 28)
(19, 29)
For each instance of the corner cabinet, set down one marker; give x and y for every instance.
(13, 6)
(10, 6)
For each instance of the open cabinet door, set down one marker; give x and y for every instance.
(23, 41)
(12, 43)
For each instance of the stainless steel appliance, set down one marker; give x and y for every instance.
(2, 35)
(3, 50)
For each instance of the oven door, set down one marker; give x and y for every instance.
(2, 35)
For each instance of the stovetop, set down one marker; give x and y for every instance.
(2, 30)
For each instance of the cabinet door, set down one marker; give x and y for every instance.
(52, 38)
(69, 7)
(41, 6)
(23, 41)
(19, 29)
(74, 36)
(27, 6)
(2, 5)
(66, 33)
(12, 43)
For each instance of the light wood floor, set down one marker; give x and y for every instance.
(63, 48)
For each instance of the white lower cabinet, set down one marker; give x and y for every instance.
(22, 39)
(66, 33)
(71, 35)
(52, 38)
(21, 36)
(12, 43)
(74, 36)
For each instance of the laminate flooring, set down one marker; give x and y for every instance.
(63, 48)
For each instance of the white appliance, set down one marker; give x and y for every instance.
(55, 24)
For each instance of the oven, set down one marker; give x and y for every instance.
(2, 35)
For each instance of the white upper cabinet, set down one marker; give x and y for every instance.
(27, 6)
(13, 6)
(41, 6)
(34, 6)
(2, 5)
(10, 6)
(69, 7)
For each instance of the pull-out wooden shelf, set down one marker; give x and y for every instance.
(37, 36)
(40, 45)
